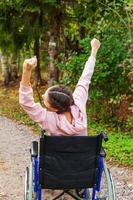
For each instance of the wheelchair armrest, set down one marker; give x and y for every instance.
(102, 152)
(34, 149)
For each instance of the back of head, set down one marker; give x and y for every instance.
(60, 98)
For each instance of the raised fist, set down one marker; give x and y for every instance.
(30, 64)
(95, 44)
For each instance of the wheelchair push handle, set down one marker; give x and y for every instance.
(104, 136)
(34, 149)
(42, 133)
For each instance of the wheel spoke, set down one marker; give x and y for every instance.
(107, 191)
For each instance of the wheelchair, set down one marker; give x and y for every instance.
(75, 165)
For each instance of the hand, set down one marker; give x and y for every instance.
(30, 64)
(95, 44)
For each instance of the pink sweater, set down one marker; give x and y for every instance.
(57, 124)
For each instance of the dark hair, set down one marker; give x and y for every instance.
(60, 98)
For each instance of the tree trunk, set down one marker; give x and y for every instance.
(37, 74)
(52, 69)
(54, 35)
(5, 70)
(14, 74)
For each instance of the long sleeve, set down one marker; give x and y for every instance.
(81, 91)
(53, 123)
(36, 112)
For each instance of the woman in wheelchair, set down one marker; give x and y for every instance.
(64, 112)
(65, 162)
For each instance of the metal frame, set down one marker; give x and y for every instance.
(37, 187)
(96, 188)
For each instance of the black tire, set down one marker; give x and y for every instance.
(107, 190)
(29, 193)
(26, 186)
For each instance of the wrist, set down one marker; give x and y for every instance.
(25, 80)
(26, 71)
(26, 75)
(94, 49)
(94, 52)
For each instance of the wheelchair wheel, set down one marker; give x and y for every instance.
(26, 189)
(107, 189)
(29, 193)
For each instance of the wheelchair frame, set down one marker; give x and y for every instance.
(33, 190)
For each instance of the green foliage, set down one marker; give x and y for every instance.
(21, 22)
(110, 80)
(110, 74)
(129, 123)
(119, 147)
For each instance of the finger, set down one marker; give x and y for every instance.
(26, 60)
(33, 62)
(33, 58)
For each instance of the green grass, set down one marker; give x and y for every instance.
(119, 148)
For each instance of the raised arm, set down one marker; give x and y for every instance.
(81, 91)
(26, 100)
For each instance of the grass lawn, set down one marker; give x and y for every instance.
(119, 148)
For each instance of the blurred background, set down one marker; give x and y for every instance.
(59, 32)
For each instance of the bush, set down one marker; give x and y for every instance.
(110, 79)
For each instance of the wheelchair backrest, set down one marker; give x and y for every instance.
(69, 162)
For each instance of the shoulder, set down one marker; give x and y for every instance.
(79, 106)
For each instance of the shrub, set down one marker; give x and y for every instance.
(110, 79)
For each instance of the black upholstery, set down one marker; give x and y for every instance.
(69, 162)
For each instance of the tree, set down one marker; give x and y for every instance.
(10, 40)
(20, 26)
(53, 50)
(110, 80)
(5, 70)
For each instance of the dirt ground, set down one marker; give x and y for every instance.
(15, 141)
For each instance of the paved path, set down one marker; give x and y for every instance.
(15, 140)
